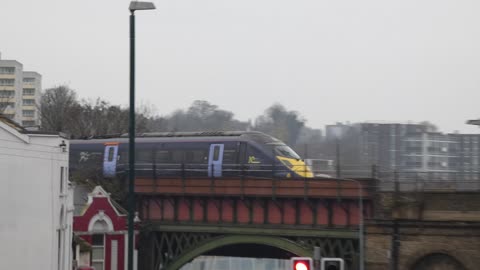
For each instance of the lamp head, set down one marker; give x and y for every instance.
(474, 122)
(136, 5)
(63, 146)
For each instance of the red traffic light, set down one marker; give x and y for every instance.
(301, 263)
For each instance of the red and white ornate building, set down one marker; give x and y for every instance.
(104, 225)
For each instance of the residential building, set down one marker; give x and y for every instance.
(383, 144)
(466, 155)
(31, 93)
(11, 74)
(341, 144)
(20, 93)
(398, 147)
(429, 153)
(36, 199)
(337, 131)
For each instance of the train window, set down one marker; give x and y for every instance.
(123, 157)
(196, 156)
(111, 151)
(242, 153)
(162, 156)
(229, 156)
(143, 156)
(188, 156)
(177, 156)
(255, 156)
(216, 153)
(285, 151)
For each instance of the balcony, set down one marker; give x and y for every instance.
(7, 76)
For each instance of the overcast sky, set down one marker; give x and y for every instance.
(330, 60)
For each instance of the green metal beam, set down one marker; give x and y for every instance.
(278, 242)
(239, 230)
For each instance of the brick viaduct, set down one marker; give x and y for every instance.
(429, 230)
(434, 229)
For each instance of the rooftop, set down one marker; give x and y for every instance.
(23, 130)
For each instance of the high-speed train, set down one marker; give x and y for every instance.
(194, 154)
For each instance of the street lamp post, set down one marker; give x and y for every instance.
(134, 5)
(338, 134)
(337, 154)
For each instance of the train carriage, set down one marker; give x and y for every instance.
(191, 154)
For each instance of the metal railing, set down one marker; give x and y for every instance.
(387, 179)
(408, 180)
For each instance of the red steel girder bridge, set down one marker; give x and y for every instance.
(248, 217)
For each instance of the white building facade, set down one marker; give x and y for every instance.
(31, 93)
(20, 93)
(35, 200)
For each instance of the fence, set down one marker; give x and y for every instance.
(387, 179)
(407, 180)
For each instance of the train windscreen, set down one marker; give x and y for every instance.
(283, 150)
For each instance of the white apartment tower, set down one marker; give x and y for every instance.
(20, 93)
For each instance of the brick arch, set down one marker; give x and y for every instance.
(278, 242)
(433, 260)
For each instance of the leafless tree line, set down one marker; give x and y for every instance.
(62, 111)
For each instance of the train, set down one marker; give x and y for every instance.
(191, 154)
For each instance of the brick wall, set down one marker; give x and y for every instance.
(446, 224)
(418, 240)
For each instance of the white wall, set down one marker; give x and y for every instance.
(30, 201)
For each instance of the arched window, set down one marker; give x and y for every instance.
(99, 228)
(438, 261)
(99, 225)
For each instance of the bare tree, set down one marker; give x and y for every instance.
(59, 109)
(430, 126)
(278, 122)
(200, 116)
(62, 112)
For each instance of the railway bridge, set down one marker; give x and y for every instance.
(184, 218)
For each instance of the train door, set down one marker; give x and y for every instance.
(215, 159)
(110, 159)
